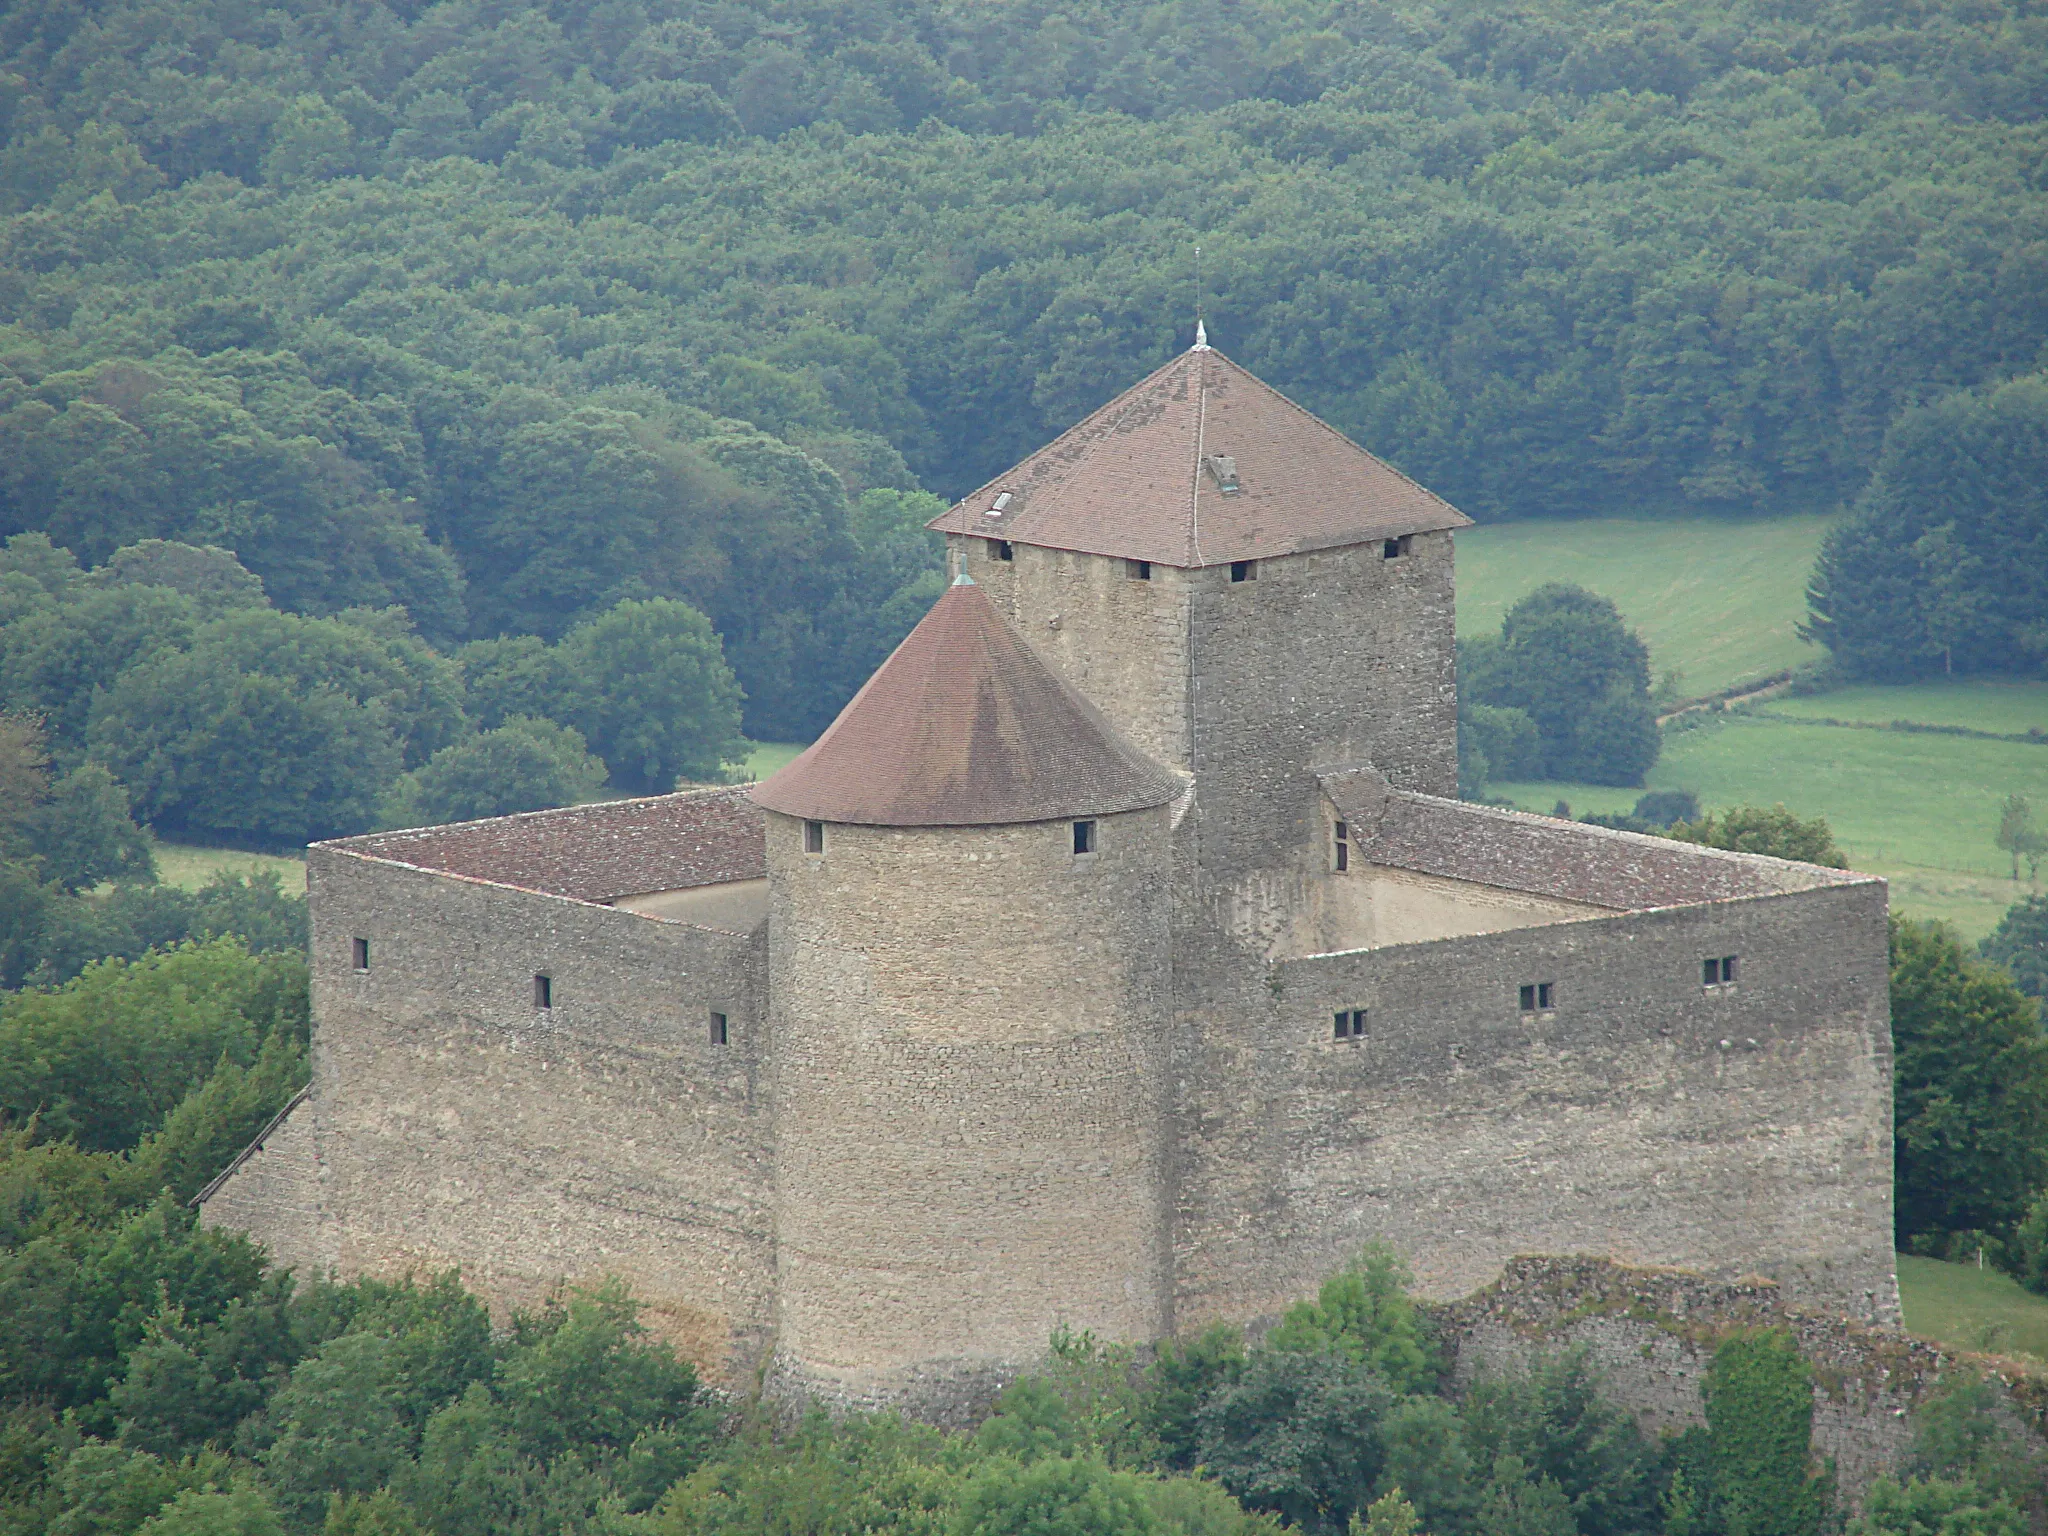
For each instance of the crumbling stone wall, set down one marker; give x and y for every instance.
(1652, 1335)
(452, 1122)
(1646, 1117)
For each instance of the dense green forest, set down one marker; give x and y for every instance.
(506, 312)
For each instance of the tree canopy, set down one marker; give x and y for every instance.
(1562, 693)
(505, 314)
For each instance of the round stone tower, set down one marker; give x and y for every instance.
(968, 964)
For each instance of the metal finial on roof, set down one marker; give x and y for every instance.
(1201, 337)
(963, 579)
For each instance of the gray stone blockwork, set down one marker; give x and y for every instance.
(451, 1121)
(975, 1087)
(956, 1082)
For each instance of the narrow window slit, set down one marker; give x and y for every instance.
(814, 837)
(359, 953)
(1084, 837)
(718, 1029)
(543, 991)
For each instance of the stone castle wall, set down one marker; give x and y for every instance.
(1122, 642)
(1729, 1130)
(1652, 1334)
(1334, 657)
(970, 1067)
(450, 1121)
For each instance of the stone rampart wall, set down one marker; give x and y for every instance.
(1652, 1335)
(1732, 1130)
(453, 1122)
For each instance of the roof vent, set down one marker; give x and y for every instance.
(1224, 470)
(1002, 501)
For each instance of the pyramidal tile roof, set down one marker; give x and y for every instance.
(964, 725)
(1200, 464)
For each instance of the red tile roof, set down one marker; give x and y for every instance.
(593, 852)
(964, 725)
(1515, 851)
(1147, 476)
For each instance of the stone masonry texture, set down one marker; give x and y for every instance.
(976, 1086)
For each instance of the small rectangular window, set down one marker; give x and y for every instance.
(1727, 968)
(1000, 549)
(718, 1032)
(1528, 999)
(543, 992)
(1138, 570)
(1341, 847)
(1717, 972)
(1394, 549)
(1244, 570)
(1349, 1024)
(1539, 997)
(359, 953)
(1084, 837)
(814, 837)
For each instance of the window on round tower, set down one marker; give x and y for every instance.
(1084, 837)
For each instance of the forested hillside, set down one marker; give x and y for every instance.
(507, 311)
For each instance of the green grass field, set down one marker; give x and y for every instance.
(1918, 809)
(1965, 1307)
(190, 866)
(1716, 598)
(2003, 708)
(768, 756)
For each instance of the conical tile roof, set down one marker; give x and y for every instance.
(964, 725)
(1201, 464)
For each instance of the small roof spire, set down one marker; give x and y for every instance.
(1201, 336)
(963, 579)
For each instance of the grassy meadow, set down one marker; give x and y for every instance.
(1717, 601)
(190, 865)
(767, 756)
(2002, 708)
(1965, 1307)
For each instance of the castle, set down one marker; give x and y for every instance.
(1119, 960)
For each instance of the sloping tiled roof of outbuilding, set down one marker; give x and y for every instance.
(964, 725)
(592, 852)
(1200, 464)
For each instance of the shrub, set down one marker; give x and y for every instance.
(523, 765)
(653, 695)
(1774, 831)
(2020, 944)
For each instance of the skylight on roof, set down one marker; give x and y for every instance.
(1002, 501)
